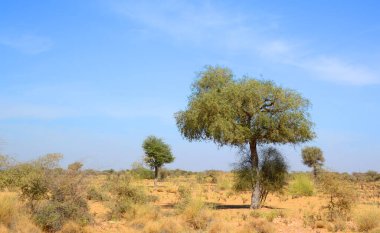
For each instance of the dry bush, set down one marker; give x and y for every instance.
(271, 215)
(223, 184)
(129, 200)
(258, 226)
(376, 230)
(221, 227)
(164, 226)
(72, 227)
(367, 220)
(340, 193)
(13, 217)
(195, 213)
(95, 194)
(9, 210)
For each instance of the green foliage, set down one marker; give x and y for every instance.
(125, 197)
(96, 195)
(52, 215)
(301, 185)
(157, 152)
(313, 157)
(273, 170)
(244, 112)
(372, 176)
(140, 172)
(235, 112)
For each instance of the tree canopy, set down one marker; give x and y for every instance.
(157, 152)
(313, 157)
(236, 112)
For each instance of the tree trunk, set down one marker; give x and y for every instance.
(155, 176)
(315, 172)
(255, 198)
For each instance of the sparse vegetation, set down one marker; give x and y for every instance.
(52, 199)
(367, 220)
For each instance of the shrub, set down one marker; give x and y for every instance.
(52, 215)
(260, 226)
(8, 210)
(341, 195)
(139, 171)
(196, 214)
(271, 215)
(376, 230)
(301, 185)
(96, 195)
(72, 227)
(368, 220)
(125, 197)
(272, 172)
(223, 184)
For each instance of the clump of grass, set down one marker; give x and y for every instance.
(194, 211)
(164, 226)
(367, 220)
(72, 227)
(128, 200)
(8, 210)
(196, 214)
(13, 217)
(223, 184)
(301, 185)
(271, 215)
(259, 226)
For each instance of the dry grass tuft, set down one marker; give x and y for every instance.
(72, 227)
(367, 220)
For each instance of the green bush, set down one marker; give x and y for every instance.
(141, 172)
(96, 195)
(301, 185)
(125, 196)
(52, 215)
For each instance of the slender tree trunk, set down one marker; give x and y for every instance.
(315, 172)
(155, 176)
(255, 198)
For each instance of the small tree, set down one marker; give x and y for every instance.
(157, 153)
(244, 113)
(313, 157)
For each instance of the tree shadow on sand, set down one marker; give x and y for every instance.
(219, 206)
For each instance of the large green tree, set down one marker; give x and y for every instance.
(157, 153)
(244, 112)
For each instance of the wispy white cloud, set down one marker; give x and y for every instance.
(30, 44)
(203, 23)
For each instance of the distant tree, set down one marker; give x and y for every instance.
(313, 158)
(157, 153)
(244, 113)
(75, 167)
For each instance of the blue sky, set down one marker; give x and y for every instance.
(92, 79)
